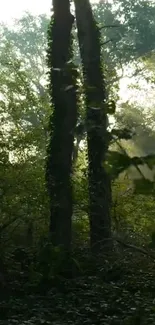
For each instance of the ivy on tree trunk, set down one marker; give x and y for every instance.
(97, 139)
(62, 75)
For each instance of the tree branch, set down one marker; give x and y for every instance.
(109, 26)
(106, 42)
(139, 249)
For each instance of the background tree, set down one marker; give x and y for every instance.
(23, 115)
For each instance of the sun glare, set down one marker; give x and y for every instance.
(15, 9)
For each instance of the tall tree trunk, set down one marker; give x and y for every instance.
(97, 140)
(62, 124)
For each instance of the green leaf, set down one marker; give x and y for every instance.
(144, 187)
(124, 133)
(117, 163)
(149, 160)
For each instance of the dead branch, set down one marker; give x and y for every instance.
(139, 249)
(109, 26)
(106, 42)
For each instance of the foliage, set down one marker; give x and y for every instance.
(132, 210)
(140, 122)
(128, 27)
(24, 115)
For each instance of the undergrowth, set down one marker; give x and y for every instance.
(116, 288)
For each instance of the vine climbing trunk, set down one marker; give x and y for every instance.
(97, 140)
(62, 123)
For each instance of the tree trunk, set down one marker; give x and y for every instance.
(62, 124)
(97, 140)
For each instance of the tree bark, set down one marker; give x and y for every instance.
(97, 140)
(62, 124)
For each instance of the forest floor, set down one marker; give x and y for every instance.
(120, 295)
